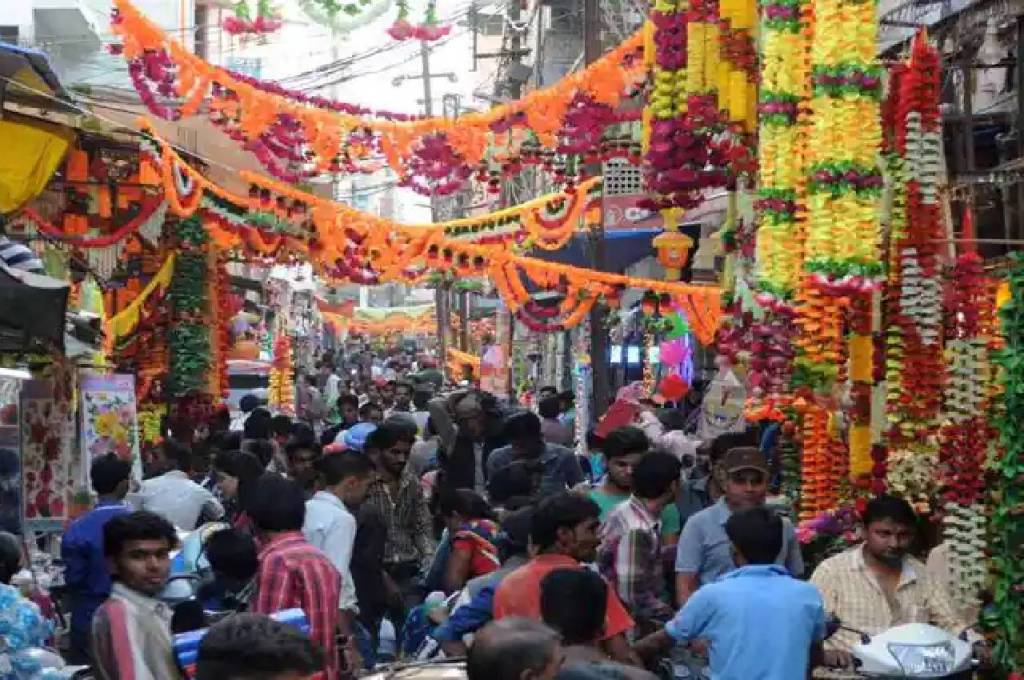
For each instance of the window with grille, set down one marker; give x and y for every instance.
(622, 178)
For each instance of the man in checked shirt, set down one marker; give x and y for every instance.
(292, 572)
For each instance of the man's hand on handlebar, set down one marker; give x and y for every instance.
(837, 658)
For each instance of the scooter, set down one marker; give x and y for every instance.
(913, 650)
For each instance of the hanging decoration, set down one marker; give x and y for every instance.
(189, 335)
(268, 19)
(686, 146)
(429, 30)
(782, 148)
(125, 321)
(844, 139)
(281, 390)
(1006, 614)
(342, 16)
(966, 430)
(348, 243)
(222, 310)
(147, 223)
(916, 370)
(296, 138)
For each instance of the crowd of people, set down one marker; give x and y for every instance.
(406, 522)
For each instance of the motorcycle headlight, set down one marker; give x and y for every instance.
(924, 660)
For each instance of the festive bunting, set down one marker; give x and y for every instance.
(348, 243)
(296, 138)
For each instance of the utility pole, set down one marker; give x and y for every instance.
(515, 56)
(598, 313)
(441, 292)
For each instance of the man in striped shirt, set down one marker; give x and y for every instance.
(292, 572)
(131, 631)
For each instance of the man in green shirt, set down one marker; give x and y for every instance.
(623, 448)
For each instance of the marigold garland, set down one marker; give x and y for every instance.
(294, 138)
(348, 242)
(281, 390)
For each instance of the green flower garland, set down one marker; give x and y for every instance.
(189, 338)
(1006, 615)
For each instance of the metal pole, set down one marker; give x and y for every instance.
(598, 258)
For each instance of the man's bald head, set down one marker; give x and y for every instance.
(514, 649)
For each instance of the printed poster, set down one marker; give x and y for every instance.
(109, 417)
(47, 456)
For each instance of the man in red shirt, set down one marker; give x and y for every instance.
(292, 572)
(564, 533)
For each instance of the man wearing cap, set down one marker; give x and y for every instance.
(703, 554)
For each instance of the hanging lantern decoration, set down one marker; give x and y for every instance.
(673, 252)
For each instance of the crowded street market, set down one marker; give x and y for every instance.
(596, 340)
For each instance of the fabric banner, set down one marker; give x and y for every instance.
(47, 456)
(109, 418)
(32, 152)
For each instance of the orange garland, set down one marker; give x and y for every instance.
(542, 111)
(401, 252)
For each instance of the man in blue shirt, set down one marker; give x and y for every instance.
(703, 554)
(758, 622)
(85, 567)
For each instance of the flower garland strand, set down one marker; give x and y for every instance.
(843, 179)
(189, 335)
(914, 293)
(295, 137)
(781, 150)
(377, 249)
(966, 430)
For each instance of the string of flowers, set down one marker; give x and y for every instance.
(268, 19)
(781, 149)
(914, 294)
(342, 16)
(189, 336)
(346, 242)
(428, 30)
(296, 137)
(281, 388)
(1006, 614)
(843, 179)
(966, 431)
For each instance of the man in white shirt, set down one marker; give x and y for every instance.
(330, 524)
(174, 496)
(331, 386)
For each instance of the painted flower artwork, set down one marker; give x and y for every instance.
(109, 424)
(46, 466)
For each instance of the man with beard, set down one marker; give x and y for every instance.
(877, 585)
(397, 496)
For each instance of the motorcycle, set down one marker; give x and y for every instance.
(913, 650)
